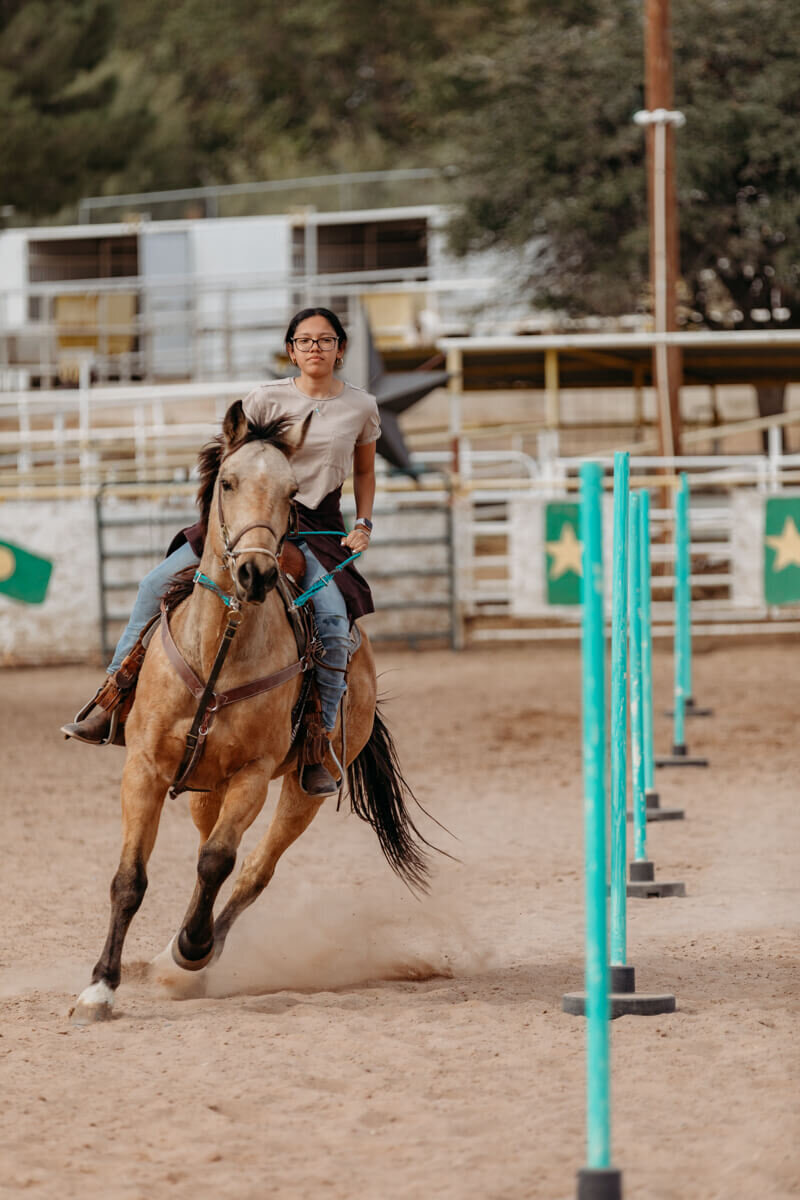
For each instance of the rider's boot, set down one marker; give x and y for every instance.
(315, 778)
(102, 720)
(93, 722)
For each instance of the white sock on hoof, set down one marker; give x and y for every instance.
(97, 997)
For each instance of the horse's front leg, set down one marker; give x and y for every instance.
(244, 798)
(293, 814)
(143, 794)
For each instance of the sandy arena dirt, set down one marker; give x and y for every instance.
(356, 1042)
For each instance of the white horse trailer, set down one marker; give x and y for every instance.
(210, 298)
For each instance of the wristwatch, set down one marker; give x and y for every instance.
(364, 523)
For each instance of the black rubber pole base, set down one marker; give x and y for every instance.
(680, 757)
(654, 811)
(599, 1183)
(623, 999)
(622, 978)
(657, 890)
(644, 886)
(690, 709)
(661, 814)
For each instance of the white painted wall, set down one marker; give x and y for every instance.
(747, 549)
(65, 628)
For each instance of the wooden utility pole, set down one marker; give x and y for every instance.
(660, 121)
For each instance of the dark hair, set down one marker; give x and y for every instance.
(329, 316)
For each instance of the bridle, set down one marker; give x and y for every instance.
(230, 553)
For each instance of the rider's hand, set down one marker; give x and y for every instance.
(357, 541)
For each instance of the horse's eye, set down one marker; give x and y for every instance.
(226, 485)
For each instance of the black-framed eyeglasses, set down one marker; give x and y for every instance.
(326, 342)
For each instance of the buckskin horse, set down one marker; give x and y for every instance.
(250, 742)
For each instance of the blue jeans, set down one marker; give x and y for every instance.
(332, 622)
(148, 599)
(334, 630)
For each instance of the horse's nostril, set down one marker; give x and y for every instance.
(245, 574)
(255, 583)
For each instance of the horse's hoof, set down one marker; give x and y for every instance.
(180, 983)
(95, 1003)
(189, 964)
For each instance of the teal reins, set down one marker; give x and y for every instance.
(228, 601)
(304, 597)
(325, 579)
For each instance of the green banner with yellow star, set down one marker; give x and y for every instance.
(563, 550)
(23, 576)
(782, 550)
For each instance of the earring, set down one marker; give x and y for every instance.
(339, 362)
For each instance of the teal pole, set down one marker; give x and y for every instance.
(647, 645)
(635, 629)
(681, 610)
(619, 711)
(687, 628)
(598, 1119)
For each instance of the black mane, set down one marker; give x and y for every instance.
(211, 456)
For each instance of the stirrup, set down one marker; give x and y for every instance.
(335, 758)
(320, 768)
(84, 712)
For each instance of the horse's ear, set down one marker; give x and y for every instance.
(234, 427)
(296, 435)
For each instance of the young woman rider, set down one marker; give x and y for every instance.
(341, 436)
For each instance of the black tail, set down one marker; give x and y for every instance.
(378, 795)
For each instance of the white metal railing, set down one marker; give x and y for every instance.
(68, 442)
(485, 577)
(62, 443)
(200, 326)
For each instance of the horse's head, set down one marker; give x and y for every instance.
(248, 511)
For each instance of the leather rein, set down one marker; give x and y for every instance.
(209, 701)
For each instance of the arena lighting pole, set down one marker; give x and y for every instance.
(663, 294)
(659, 120)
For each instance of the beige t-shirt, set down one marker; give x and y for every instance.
(337, 426)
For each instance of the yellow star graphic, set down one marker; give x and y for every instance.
(8, 563)
(786, 545)
(566, 553)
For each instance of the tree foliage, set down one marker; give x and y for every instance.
(108, 97)
(531, 98)
(554, 155)
(63, 129)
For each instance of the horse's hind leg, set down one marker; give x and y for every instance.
(244, 799)
(293, 814)
(142, 801)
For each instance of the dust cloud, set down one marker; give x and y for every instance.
(321, 939)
